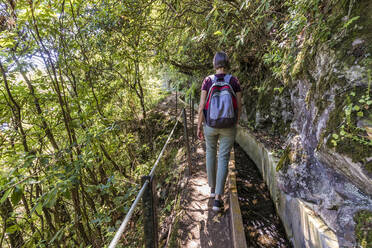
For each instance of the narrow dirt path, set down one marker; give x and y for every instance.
(199, 225)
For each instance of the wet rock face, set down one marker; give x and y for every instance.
(332, 184)
(276, 114)
(332, 179)
(335, 198)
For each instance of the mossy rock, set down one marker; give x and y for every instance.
(363, 228)
(359, 29)
(368, 166)
(284, 160)
(350, 147)
(355, 150)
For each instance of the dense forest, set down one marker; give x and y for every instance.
(80, 81)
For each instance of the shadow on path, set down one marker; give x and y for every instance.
(215, 231)
(199, 225)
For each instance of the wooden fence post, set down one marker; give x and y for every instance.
(186, 139)
(176, 101)
(150, 221)
(190, 108)
(192, 119)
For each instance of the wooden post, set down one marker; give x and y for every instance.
(192, 119)
(190, 108)
(186, 139)
(176, 101)
(150, 221)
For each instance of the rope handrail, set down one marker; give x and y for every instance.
(123, 225)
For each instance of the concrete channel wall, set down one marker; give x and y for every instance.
(237, 228)
(303, 227)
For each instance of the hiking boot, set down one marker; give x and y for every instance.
(213, 194)
(217, 205)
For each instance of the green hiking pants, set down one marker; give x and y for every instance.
(227, 138)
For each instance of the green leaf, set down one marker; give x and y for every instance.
(57, 235)
(38, 208)
(5, 196)
(51, 199)
(356, 108)
(218, 33)
(360, 114)
(351, 21)
(11, 229)
(335, 136)
(6, 43)
(210, 13)
(17, 195)
(352, 93)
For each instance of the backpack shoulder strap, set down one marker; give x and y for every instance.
(214, 82)
(213, 78)
(227, 78)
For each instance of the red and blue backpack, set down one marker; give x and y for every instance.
(220, 109)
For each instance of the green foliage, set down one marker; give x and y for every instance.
(355, 110)
(363, 229)
(78, 80)
(348, 130)
(347, 24)
(194, 90)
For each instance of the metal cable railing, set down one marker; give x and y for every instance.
(123, 225)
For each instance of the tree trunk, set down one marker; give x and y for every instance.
(15, 238)
(46, 128)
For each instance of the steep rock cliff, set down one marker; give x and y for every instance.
(320, 106)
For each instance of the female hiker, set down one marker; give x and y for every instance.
(219, 112)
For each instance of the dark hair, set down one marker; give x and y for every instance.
(221, 60)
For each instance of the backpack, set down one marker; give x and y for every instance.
(220, 109)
